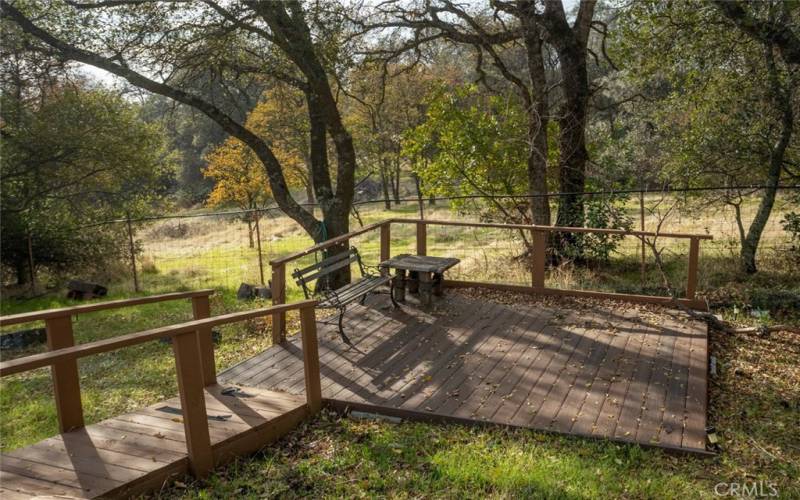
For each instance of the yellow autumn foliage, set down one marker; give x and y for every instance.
(239, 176)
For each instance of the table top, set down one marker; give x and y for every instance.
(420, 263)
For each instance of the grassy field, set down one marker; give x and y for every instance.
(755, 402)
(214, 252)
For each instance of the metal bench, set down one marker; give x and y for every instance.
(341, 297)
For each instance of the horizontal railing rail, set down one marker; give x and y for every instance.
(552, 229)
(189, 363)
(538, 263)
(14, 319)
(40, 360)
(58, 326)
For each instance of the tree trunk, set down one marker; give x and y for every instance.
(537, 120)
(335, 218)
(571, 43)
(22, 273)
(783, 101)
(310, 198)
(250, 233)
(396, 181)
(418, 185)
(387, 202)
(572, 139)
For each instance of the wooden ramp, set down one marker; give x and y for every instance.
(133, 453)
(597, 369)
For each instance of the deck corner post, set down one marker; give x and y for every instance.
(538, 259)
(386, 240)
(278, 285)
(188, 365)
(201, 309)
(422, 238)
(308, 331)
(66, 381)
(691, 275)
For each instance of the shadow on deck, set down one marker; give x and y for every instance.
(138, 452)
(589, 368)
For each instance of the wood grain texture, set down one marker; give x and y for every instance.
(601, 371)
(137, 452)
(98, 306)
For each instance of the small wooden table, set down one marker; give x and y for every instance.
(425, 275)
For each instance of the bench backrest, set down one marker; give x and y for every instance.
(324, 268)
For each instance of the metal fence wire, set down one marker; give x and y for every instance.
(221, 250)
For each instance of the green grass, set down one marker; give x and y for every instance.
(119, 381)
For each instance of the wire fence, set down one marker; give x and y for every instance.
(222, 250)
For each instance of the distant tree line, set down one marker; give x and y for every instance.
(293, 102)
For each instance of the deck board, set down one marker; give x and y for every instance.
(600, 369)
(132, 453)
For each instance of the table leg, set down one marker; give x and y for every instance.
(438, 287)
(425, 288)
(400, 285)
(413, 282)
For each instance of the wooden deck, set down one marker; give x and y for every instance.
(598, 369)
(133, 453)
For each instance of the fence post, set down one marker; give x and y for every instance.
(308, 331)
(66, 384)
(641, 226)
(258, 246)
(278, 297)
(386, 241)
(132, 249)
(201, 309)
(422, 238)
(691, 278)
(539, 255)
(193, 403)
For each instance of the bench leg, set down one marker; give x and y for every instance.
(391, 295)
(341, 328)
(438, 288)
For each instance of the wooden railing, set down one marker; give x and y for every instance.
(539, 237)
(189, 362)
(58, 325)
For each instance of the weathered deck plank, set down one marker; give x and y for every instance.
(601, 370)
(132, 453)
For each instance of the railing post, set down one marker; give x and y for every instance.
(386, 241)
(66, 384)
(422, 238)
(308, 331)
(278, 297)
(539, 256)
(691, 278)
(193, 403)
(201, 309)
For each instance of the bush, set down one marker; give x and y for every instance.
(603, 212)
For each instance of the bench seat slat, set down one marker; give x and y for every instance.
(354, 291)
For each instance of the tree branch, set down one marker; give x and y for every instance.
(277, 180)
(765, 32)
